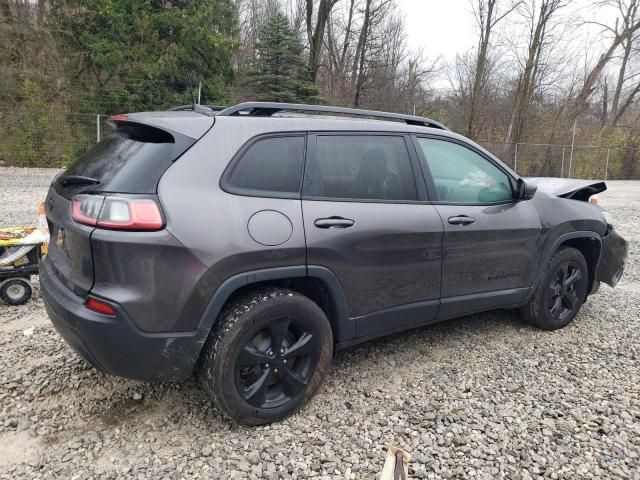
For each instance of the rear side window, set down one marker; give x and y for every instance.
(131, 160)
(270, 165)
(361, 167)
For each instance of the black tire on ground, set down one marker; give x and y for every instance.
(267, 355)
(560, 293)
(15, 291)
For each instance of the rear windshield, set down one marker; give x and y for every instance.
(131, 160)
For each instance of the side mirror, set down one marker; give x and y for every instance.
(524, 191)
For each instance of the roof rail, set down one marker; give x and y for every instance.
(267, 109)
(198, 108)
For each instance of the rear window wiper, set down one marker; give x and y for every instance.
(77, 180)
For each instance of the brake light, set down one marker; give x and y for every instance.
(85, 209)
(100, 306)
(117, 213)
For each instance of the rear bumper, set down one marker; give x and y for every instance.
(115, 345)
(612, 258)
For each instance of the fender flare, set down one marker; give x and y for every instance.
(555, 247)
(344, 328)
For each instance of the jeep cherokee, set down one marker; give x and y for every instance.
(250, 243)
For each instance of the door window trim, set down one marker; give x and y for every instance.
(428, 178)
(227, 186)
(421, 189)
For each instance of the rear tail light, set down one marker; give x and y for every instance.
(85, 209)
(100, 306)
(117, 213)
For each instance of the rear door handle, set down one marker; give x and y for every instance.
(334, 222)
(461, 220)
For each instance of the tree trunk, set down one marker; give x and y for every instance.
(347, 35)
(605, 104)
(621, 79)
(588, 86)
(526, 84)
(481, 63)
(317, 35)
(362, 46)
(627, 103)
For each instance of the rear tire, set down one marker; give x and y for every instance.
(268, 354)
(560, 293)
(15, 291)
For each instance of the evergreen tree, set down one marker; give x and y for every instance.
(280, 71)
(135, 54)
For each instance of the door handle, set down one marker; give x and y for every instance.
(461, 220)
(334, 222)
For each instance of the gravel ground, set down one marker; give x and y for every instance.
(484, 396)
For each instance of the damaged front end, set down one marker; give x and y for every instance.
(612, 257)
(568, 188)
(614, 247)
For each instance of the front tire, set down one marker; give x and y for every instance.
(560, 293)
(268, 354)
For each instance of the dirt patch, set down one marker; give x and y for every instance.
(19, 447)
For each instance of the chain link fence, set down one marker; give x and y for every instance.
(569, 161)
(53, 138)
(47, 138)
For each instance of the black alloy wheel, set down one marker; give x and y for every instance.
(276, 363)
(560, 292)
(563, 296)
(267, 355)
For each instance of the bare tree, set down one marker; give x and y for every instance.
(315, 34)
(358, 70)
(487, 15)
(626, 27)
(539, 15)
(625, 73)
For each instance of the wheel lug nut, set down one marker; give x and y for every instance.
(275, 370)
(282, 350)
(284, 361)
(266, 365)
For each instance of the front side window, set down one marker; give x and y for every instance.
(271, 164)
(364, 167)
(461, 175)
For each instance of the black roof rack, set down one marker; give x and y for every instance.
(267, 109)
(198, 108)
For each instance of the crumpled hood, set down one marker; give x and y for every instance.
(568, 187)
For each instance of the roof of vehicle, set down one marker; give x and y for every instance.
(300, 122)
(256, 118)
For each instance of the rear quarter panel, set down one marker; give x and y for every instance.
(213, 224)
(151, 275)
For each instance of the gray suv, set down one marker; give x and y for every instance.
(250, 244)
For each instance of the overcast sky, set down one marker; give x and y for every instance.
(447, 27)
(440, 27)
